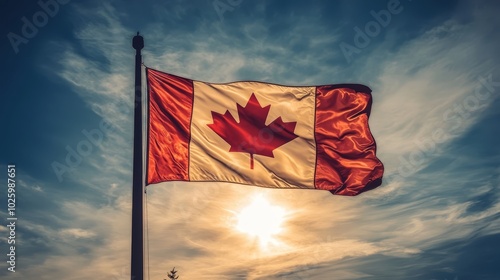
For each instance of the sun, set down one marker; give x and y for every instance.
(261, 220)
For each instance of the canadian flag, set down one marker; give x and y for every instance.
(261, 134)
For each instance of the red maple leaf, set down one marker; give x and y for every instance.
(251, 135)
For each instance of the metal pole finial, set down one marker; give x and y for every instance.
(138, 42)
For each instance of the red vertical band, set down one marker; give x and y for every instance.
(345, 149)
(169, 127)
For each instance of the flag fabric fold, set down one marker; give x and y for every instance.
(261, 134)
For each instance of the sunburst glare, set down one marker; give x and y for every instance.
(261, 220)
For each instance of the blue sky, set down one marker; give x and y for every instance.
(433, 68)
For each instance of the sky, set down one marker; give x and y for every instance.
(67, 72)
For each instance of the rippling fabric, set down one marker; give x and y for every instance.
(346, 162)
(169, 131)
(253, 133)
(261, 134)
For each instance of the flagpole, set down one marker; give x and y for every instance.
(137, 255)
